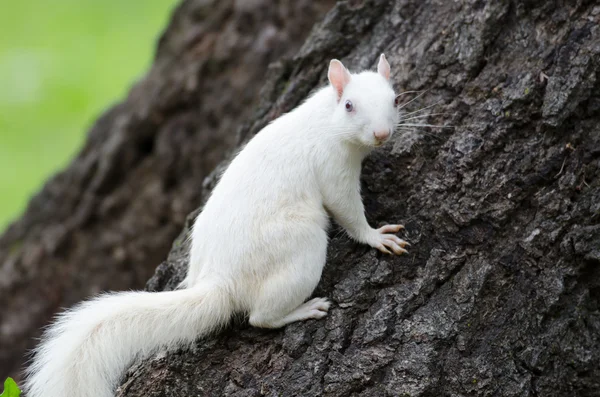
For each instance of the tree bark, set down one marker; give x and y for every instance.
(106, 221)
(500, 294)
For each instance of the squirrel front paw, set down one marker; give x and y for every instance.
(384, 241)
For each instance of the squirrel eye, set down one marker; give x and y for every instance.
(348, 105)
(397, 101)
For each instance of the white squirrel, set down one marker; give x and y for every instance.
(258, 246)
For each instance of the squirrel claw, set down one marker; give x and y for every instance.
(390, 243)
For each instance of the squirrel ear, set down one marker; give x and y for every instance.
(338, 76)
(383, 67)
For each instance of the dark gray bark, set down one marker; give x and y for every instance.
(500, 293)
(107, 220)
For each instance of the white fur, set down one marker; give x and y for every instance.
(258, 247)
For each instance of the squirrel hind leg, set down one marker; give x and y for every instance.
(315, 308)
(280, 297)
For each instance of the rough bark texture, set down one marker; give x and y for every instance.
(111, 216)
(500, 293)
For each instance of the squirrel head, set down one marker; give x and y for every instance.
(366, 105)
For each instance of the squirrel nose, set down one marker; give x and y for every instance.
(381, 134)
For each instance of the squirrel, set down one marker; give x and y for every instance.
(258, 247)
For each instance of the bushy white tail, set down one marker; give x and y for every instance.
(85, 352)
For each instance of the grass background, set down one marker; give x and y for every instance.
(61, 64)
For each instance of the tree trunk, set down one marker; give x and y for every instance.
(500, 294)
(111, 216)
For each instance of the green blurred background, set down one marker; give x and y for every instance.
(61, 64)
